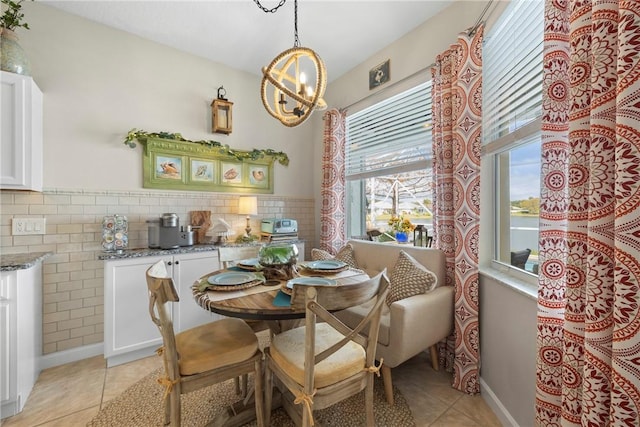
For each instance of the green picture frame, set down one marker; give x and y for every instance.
(178, 165)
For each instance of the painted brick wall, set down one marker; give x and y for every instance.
(73, 303)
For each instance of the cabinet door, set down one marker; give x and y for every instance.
(186, 270)
(21, 133)
(7, 337)
(127, 324)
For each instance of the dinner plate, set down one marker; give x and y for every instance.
(310, 281)
(232, 278)
(251, 262)
(328, 264)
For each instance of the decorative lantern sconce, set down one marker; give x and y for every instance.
(221, 118)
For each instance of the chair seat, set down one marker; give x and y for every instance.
(213, 345)
(287, 350)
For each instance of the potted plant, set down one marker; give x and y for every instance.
(401, 226)
(12, 57)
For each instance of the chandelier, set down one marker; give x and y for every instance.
(294, 82)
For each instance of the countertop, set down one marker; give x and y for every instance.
(11, 262)
(144, 252)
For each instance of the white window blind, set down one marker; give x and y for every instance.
(392, 136)
(512, 70)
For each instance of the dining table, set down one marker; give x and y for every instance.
(265, 299)
(245, 293)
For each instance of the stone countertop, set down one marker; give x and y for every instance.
(144, 252)
(11, 262)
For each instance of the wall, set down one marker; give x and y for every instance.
(99, 83)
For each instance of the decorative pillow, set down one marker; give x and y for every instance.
(345, 255)
(409, 278)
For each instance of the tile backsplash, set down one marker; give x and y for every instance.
(73, 303)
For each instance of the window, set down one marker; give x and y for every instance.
(512, 86)
(388, 162)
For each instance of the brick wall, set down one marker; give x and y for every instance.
(73, 304)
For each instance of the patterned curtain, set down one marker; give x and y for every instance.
(588, 363)
(457, 121)
(332, 212)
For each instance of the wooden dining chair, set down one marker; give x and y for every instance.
(228, 255)
(325, 362)
(200, 356)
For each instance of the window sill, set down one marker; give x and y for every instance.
(514, 280)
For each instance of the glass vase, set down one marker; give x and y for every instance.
(402, 237)
(12, 56)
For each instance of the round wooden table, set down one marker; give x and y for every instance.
(257, 303)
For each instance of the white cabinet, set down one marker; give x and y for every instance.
(129, 333)
(21, 133)
(20, 336)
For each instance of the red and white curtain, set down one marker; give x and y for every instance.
(332, 211)
(588, 362)
(457, 122)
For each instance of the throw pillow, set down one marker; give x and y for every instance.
(345, 255)
(409, 278)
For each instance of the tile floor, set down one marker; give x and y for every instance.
(71, 395)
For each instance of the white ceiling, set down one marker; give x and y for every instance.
(237, 33)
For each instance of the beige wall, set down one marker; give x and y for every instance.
(99, 83)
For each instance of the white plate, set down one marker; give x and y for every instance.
(326, 265)
(232, 278)
(310, 281)
(251, 262)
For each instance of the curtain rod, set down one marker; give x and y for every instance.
(397, 82)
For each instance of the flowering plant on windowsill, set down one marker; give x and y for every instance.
(401, 224)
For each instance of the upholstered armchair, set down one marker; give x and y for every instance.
(410, 325)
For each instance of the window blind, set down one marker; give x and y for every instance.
(391, 136)
(512, 70)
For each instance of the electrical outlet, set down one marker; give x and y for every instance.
(23, 226)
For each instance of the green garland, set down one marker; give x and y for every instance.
(255, 154)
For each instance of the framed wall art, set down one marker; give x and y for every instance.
(379, 75)
(181, 165)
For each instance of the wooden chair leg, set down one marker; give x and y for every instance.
(434, 356)
(238, 388)
(388, 386)
(259, 394)
(174, 398)
(167, 411)
(268, 393)
(368, 401)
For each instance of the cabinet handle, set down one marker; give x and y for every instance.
(169, 263)
(177, 262)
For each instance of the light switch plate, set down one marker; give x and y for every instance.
(24, 226)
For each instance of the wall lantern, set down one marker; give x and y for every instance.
(221, 113)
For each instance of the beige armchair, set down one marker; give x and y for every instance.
(411, 325)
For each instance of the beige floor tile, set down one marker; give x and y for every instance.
(77, 419)
(454, 418)
(475, 407)
(121, 377)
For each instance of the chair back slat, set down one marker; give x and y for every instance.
(333, 297)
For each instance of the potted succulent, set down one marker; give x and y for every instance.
(12, 57)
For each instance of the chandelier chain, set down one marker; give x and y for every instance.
(273, 9)
(296, 40)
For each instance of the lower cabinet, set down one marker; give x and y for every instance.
(20, 336)
(129, 333)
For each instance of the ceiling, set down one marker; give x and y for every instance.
(239, 34)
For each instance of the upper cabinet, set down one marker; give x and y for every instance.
(21, 133)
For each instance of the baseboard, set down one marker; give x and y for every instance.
(72, 355)
(496, 406)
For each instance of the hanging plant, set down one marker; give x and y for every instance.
(255, 154)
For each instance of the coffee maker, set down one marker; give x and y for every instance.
(169, 231)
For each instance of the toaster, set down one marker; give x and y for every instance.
(279, 226)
